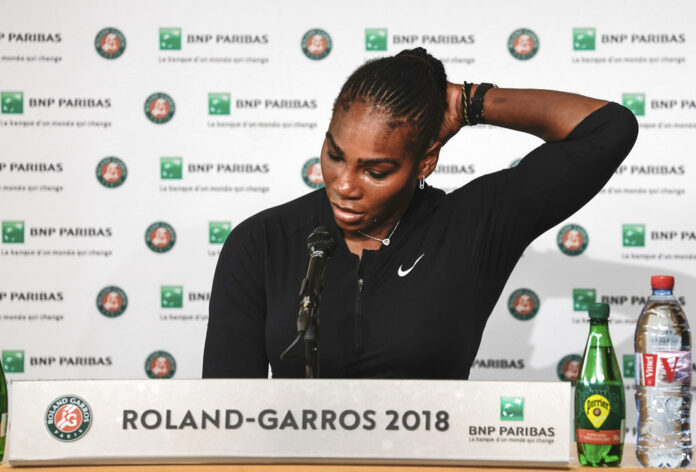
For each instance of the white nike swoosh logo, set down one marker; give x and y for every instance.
(404, 273)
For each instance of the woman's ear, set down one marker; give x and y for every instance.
(429, 162)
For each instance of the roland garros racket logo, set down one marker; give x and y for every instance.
(68, 418)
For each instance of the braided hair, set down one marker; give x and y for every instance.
(410, 87)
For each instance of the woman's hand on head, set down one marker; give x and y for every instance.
(454, 119)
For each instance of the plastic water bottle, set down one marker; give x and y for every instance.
(663, 379)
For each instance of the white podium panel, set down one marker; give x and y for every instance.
(289, 421)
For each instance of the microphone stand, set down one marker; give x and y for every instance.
(320, 244)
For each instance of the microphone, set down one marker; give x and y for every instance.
(320, 244)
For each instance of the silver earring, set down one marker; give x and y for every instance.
(421, 182)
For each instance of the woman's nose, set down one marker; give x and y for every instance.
(347, 185)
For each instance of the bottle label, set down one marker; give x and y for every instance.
(3, 425)
(599, 414)
(663, 368)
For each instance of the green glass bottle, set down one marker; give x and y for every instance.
(600, 404)
(3, 411)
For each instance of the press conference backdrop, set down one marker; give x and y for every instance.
(135, 135)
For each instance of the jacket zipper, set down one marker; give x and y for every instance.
(358, 315)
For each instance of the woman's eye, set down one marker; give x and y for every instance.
(377, 175)
(334, 157)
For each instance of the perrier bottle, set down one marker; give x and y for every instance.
(600, 406)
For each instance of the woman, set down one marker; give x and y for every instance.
(416, 272)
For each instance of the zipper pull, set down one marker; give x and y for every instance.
(360, 285)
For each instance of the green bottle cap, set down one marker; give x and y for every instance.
(598, 311)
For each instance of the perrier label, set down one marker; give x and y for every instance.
(600, 406)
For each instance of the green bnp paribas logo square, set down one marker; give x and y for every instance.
(13, 232)
(375, 39)
(583, 297)
(172, 296)
(218, 231)
(12, 102)
(13, 362)
(633, 235)
(584, 39)
(634, 102)
(512, 408)
(629, 366)
(219, 103)
(170, 39)
(171, 168)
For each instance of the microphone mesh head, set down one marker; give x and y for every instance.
(321, 239)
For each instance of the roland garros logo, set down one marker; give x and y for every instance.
(523, 44)
(523, 304)
(316, 44)
(160, 237)
(111, 172)
(112, 301)
(160, 365)
(110, 43)
(68, 418)
(311, 173)
(572, 240)
(159, 108)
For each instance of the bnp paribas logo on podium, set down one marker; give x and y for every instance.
(12, 103)
(512, 408)
(633, 235)
(171, 168)
(13, 232)
(172, 296)
(170, 39)
(375, 39)
(634, 102)
(13, 362)
(218, 231)
(584, 39)
(583, 297)
(219, 103)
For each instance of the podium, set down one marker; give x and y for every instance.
(366, 422)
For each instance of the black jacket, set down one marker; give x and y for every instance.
(426, 297)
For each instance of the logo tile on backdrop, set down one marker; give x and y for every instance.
(523, 44)
(523, 304)
(311, 173)
(68, 418)
(172, 296)
(633, 235)
(160, 237)
(111, 172)
(159, 108)
(316, 44)
(584, 39)
(12, 103)
(375, 39)
(171, 168)
(160, 365)
(583, 298)
(13, 232)
(110, 43)
(13, 361)
(170, 39)
(568, 368)
(572, 240)
(218, 231)
(112, 301)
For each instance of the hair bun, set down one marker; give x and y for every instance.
(419, 51)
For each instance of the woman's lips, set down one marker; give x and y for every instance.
(346, 214)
